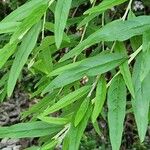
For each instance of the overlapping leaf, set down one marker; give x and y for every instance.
(117, 30)
(116, 110)
(21, 57)
(6, 52)
(99, 9)
(100, 98)
(145, 66)
(67, 100)
(72, 140)
(142, 99)
(28, 23)
(124, 68)
(106, 4)
(23, 11)
(61, 15)
(8, 27)
(90, 67)
(81, 111)
(32, 129)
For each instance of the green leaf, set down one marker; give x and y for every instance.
(33, 148)
(100, 98)
(72, 139)
(54, 120)
(97, 128)
(145, 67)
(47, 60)
(32, 129)
(64, 68)
(61, 15)
(67, 100)
(6, 52)
(124, 67)
(104, 5)
(50, 145)
(8, 27)
(120, 31)
(88, 67)
(23, 11)
(87, 19)
(81, 111)
(99, 9)
(28, 22)
(40, 106)
(116, 110)
(142, 99)
(21, 57)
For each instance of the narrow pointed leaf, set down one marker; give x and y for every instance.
(23, 11)
(21, 57)
(117, 30)
(72, 139)
(99, 9)
(116, 110)
(100, 98)
(32, 129)
(124, 67)
(28, 22)
(145, 67)
(61, 15)
(81, 111)
(8, 27)
(104, 5)
(142, 99)
(49, 146)
(67, 100)
(6, 52)
(54, 120)
(90, 67)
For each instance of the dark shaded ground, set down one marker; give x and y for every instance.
(10, 111)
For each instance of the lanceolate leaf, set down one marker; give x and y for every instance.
(124, 67)
(81, 111)
(100, 98)
(64, 68)
(26, 47)
(104, 5)
(67, 100)
(54, 120)
(142, 99)
(97, 10)
(117, 30)
(47, 60)
(6, 52)
(90, 67)
(116, 110)
(32, 129)
(23, 11)
(61, 15)
(8, 27)
(72, 140)
(49, 146)
(145, 67)
(28, 22)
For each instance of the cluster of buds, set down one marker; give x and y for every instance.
(84, 80)
(138, 5)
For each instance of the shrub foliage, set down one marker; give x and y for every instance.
(86, 60)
